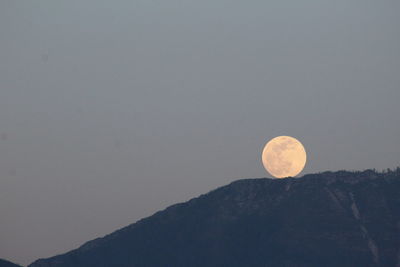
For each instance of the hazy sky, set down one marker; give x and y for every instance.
(112, 110)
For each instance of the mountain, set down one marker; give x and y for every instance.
(4, 263)
(326, 219)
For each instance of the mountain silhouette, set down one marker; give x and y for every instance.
(4, 263)
(326, 219)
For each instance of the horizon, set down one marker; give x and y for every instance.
(379, 172)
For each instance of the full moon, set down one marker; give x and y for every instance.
(284, 156)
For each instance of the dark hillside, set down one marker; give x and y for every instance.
(4, 263)
(327, 219)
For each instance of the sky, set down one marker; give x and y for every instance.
(113, 110)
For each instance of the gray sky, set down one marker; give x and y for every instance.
(112, 110)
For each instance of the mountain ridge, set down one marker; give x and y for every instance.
(262, 222)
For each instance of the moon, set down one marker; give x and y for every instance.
(284, 156)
